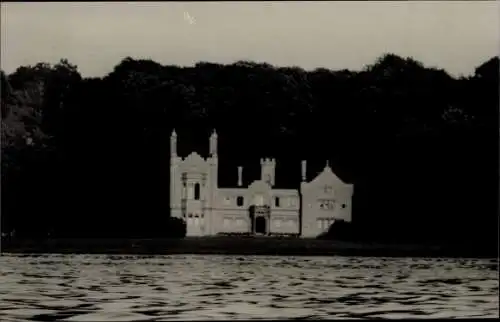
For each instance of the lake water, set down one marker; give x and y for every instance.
(156, 288)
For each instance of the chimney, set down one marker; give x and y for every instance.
(304, 170)
(240, 176)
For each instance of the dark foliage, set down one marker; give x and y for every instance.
(89, 157)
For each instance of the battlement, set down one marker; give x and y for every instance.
(268, 161)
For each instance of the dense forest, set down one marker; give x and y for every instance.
(89, 157)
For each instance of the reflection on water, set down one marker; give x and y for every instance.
(155, 288)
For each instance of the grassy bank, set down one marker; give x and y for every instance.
(234, 246)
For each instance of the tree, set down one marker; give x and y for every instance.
(418, 144)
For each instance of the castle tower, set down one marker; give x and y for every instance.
(267, 173)
(212, 179)
(173, 144)
(175, 178)
(195, 195)
(213, 160)
(213, 145)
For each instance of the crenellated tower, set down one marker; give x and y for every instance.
(267, 173)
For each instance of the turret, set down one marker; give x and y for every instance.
(213, 144)
(175, 179)
(268, 166)
(213, 161)
(173, 144)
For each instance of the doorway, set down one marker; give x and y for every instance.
(261, 225)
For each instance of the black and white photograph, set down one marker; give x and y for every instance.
(253, 160)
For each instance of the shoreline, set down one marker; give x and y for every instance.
(236, 246)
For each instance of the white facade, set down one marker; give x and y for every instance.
(325, 199)
(259, 208)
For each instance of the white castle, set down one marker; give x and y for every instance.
(259, 209)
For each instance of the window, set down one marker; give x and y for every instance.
(196, 221)
(239, 201)
(226, 222)
(343, 205)
(326, 204)
(277, 201)
(190, 215)
(239, 222)
(320, 224)
(277, 223)
(197, 191)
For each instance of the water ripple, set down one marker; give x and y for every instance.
(160, 288)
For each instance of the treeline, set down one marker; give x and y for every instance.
(89, 157)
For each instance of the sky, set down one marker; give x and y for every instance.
(454, 35)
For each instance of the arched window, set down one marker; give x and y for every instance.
(239, 201)
(197, 191)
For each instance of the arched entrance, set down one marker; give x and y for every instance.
(261, 225)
